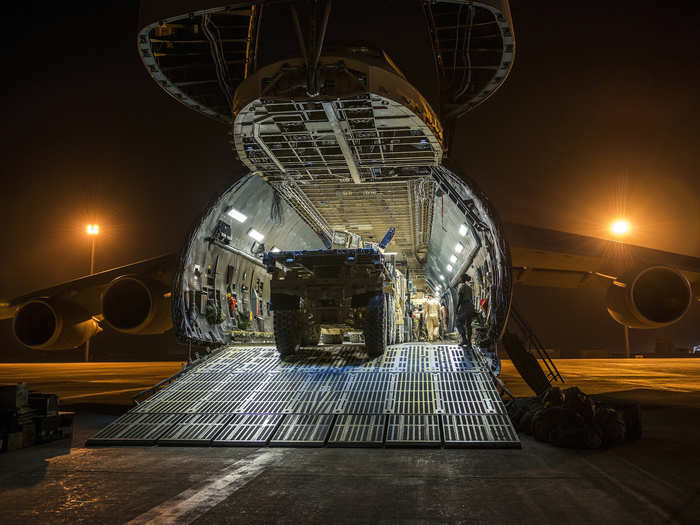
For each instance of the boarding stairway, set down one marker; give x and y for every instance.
(528, 354)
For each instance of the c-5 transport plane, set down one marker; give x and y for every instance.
(336, 138)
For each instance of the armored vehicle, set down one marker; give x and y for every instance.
(350, 286)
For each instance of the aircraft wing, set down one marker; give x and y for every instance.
(87, 291)
(646, 288)
(542, 257)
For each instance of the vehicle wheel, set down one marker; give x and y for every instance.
(375, 329)
(286, 327)
(310, 333)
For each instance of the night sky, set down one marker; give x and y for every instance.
(599, 118)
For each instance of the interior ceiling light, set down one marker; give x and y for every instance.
(449, 267)
(462, 229)
(275, 249)
(255, 234)
(442, 277)
(453, 258)
(235, 214)
(459, 247)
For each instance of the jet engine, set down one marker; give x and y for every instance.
(42, 324)
(655, 297)
(137, 306)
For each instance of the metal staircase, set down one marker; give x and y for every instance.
(528, 354)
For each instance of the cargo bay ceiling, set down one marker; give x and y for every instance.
(355, 146)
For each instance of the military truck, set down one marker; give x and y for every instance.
(349, 287)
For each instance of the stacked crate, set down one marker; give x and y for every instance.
(28, 417)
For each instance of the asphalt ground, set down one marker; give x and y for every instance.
(653, 480)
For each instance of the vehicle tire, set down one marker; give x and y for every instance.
(287, 333)
(375, 329)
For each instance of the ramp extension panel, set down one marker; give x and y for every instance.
(413, 395)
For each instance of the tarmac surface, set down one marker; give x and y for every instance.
(653, 480)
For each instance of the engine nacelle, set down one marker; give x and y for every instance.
(137, 306)
(657, 296)
(42, 324)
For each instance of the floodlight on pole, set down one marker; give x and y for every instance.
(93, 231)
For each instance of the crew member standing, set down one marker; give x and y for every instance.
(465, 310)
(415, 323)
(432, 318)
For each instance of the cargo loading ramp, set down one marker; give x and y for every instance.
(425, 395)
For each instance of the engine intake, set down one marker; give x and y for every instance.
(137, 306)
(657, 296)
(53, 325)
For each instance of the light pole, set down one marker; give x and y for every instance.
(92, 230)
(619, 228)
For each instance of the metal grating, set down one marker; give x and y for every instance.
(413, 395)
(413, 430)
(195, 429)
(358, 430)
(469, 393)
(248, 429)
(136, 429)
(479, 431)
(303, 430)
(366, 394)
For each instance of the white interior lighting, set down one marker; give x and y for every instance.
(235, 214)
(449, 267)
(255, 234)
(275, 249)
(459, 247)
(442, 277)
(453, 258)
(462, 229)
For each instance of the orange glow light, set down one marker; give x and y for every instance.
(93, 229)
(620, 227)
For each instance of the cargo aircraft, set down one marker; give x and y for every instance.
(336, 138)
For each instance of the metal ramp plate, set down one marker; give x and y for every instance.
(467, 393)
(308, 430)
(473, 430)
(358, 431)
(248, 429)
(416, 394)
(135, 429)
(194, 429)
(413, 430)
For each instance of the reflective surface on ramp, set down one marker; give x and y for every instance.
(413, 395)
